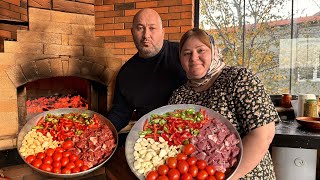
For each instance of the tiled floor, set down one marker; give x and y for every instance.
(24, 172)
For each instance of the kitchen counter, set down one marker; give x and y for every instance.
(289, 133)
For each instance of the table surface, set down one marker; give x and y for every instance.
(289, 133)
(117, 166)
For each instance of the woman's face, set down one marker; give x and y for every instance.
(195, 58)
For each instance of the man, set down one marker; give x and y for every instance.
(146, 81)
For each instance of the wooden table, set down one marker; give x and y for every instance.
(117, 167)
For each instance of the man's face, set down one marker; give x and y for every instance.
(148, 34)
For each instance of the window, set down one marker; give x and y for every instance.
(278, 40)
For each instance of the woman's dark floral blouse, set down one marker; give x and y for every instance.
(240, 96)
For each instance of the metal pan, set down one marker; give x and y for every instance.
(133, 134)
(33, 121)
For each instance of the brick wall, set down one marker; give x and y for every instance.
(114, 20)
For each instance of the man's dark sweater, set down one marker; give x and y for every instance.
(146, 84)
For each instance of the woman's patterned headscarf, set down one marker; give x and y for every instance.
(215, 68)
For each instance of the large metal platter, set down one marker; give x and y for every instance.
(133, 134)
(33, 121)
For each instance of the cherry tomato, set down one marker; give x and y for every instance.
(210, 170)
(192, 161)
(78, 163)
(59, 150)
(64, 161)
(41, 155)
(66, 171)
(47, 160)
(57, 156)
(75, 170)
(202, 174)
(173, 174)
(70, 165)
(188, 149)
(73, 157)
(219, 175)
(84, 168)
(30, 158)
(67, 144)
(211, 178)
(152, 175)
(186, 176)
(163, 169)
(56, 164)
(163, 177)
(183, 166)
(56, 170)
(36, 163)
(66, 154)
(181, 156)
(193, 170)
(201, 164)
(172, 162)
(46, 167)
(49, 152)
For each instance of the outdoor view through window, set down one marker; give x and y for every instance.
(278, 40)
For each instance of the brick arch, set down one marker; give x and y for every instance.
(32, 70)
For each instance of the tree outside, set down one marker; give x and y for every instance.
(252, 35)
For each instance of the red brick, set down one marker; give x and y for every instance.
(125, 45)
(113, 26)
(104, 20)
(18, 9)
(171, 16)
(110, 39)
(6, 34)
(128, 25)
(99, 27)
(180, 22)
(112, 1)
(131, 12)
(105, 33)
(117, 51)
(161, 10)
(169, 3)
(124, 6)
(24, 17)
(185, 28)
(98, 2)
(186, 15)
(10, 14)
(187, 1)
(175, 36)
(109, 45)
(99, 14)
(131, 51)
(146, 4)
(40, 3)
(87, 1)
(16, 2)
(129, 38)
(122, 32)
(104, 8)
(114, 13)
(172, 29)
(135, 0)
(123, 19)
(181, 8)
(4, 5)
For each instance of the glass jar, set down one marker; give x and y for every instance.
(286, 100)
(311, 108)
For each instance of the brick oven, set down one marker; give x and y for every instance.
(58, 55)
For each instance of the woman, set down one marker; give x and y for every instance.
(235, 93)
